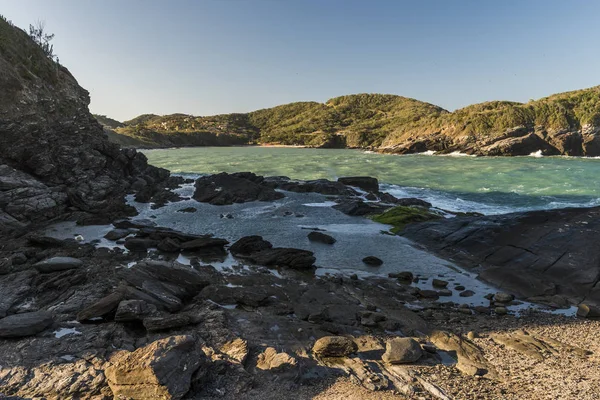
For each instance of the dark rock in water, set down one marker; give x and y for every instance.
(117, 234)
(444, 292)
(321, 237)
(188, 210)
(26, 324)
(284, 257)
(402, 351)
(439, 283)
(224, 188)
(135, 224)
(163, 323)
(101, 307)
(466, 293)
(365, 183)
(204, 243)
(357, 207)
(537, 253)
(372, 261)
(334, 346)
(322, 186)
(132, 310)
(248, 245)
(160, 370)
(405, 276)
(139, 244)
(58, 264)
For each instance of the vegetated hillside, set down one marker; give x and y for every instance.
(175, 130)
(107, 122)
(362, 120)
(565, 123)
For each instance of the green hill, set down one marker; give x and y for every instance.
(560, 124)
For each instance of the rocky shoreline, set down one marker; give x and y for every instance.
(118, 321)
(145, 311)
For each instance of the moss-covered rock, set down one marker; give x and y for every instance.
(400, 216)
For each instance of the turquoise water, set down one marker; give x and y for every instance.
(461, 183)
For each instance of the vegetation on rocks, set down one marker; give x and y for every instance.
(400, 216)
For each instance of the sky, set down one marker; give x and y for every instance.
(206, 57)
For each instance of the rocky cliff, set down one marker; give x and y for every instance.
(566, 123)
(54, 156)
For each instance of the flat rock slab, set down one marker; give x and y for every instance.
(58, 264)
(528, 254)
(26, 324)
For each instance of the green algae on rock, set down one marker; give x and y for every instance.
(400, 216)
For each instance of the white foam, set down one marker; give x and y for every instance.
(536, 154)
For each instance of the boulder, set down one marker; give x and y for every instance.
(366, 183)
(588, 311)
(284, 257)
(438, 283)
(224, 188)
(334, 346)
(248, 245)
(58, 264)
(101, 307)
(161, 370)
(321, 238)
(401, 351)
(502, 297)
(117, 234)
(25, 324)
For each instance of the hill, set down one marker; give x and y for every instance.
(565, 123)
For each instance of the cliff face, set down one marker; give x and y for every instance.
(566, 123)
(54, 156)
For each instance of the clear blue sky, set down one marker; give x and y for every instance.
(205, 57)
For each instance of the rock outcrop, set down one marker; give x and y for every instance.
(533, 255)
(54, 156)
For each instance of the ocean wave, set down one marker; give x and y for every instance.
(536, 154)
